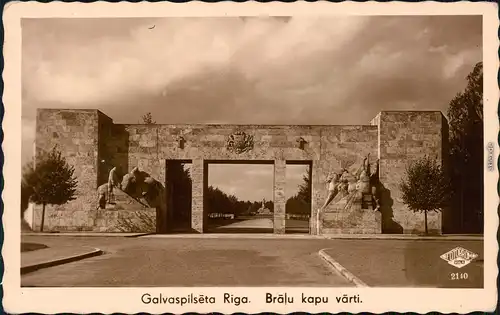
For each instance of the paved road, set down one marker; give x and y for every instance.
(254, 262)
(259, 223)
(395, 263)
(189, 262)
(265, 223)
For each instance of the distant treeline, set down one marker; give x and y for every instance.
(220, 202)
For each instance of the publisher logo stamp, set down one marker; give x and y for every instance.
(491, 158)
(459, 257)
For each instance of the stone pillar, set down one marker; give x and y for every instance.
(197, 177)
(316, 198)
(279, 196)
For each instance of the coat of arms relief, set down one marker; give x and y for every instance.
(239, 142)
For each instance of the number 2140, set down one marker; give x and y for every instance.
(459, 276)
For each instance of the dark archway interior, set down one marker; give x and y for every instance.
(178, 188)
(298, 201)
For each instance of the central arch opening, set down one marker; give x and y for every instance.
(238, 196)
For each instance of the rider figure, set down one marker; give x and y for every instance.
(113, 181)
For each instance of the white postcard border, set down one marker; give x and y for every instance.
(128, 300)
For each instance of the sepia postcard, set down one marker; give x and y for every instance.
(250, 157)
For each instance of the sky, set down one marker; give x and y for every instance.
(244, 70)
(254, 182)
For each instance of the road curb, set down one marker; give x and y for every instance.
(94, 234)
(60, 261)
(268, 236)
(402, 237)
(341, 269)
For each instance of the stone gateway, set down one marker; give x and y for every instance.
(364, 164)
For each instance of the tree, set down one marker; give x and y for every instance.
(295, 205)
(304, 193)
(269, 205)
(465, 116)
(51, 181)
(220, 202)
(254, 207)
(425, 188)
(148, 119)
(26, 189)
(300, 203)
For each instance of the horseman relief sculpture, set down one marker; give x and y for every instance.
(363, 183)
(113, 181)
(137, 184)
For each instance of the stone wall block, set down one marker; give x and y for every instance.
(404, 137)
(197, 176)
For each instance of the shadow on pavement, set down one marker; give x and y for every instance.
(28, 247)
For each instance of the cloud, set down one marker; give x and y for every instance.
(329, 70)
(264, 70)
(258, 171)
(245, 181)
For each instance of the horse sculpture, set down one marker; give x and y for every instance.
(344, 183)
(102, 196)
(138, 185)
